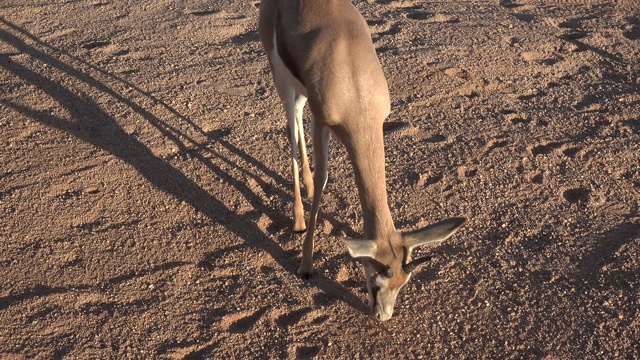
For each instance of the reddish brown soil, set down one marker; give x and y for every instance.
(145, 191)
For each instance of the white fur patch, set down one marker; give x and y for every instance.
(282, 72)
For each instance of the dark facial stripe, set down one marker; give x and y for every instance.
(374, 293)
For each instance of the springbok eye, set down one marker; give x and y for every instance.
(388, 272)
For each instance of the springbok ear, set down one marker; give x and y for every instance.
(361, 248)
(432, 233)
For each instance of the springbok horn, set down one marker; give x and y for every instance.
(408, 268)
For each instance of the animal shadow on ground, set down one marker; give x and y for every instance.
(44, 290)
(91, 124)
(603, 254)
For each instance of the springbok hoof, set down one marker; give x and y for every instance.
(299, 227)
(305, 271)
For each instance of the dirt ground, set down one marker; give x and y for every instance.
(145, 187)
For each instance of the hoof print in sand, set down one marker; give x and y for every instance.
(457, 73)
(404, 5)
(435, 138)
(392, 126)
(201, 12)
(495, 144)
(292, 318)
(570, 151)
(538, 57)
(307, 352)
(574, 35)
(393, 30)
(432, 17)
(543, 149)
(95, 44)
(529, 95)
(509, 4)
(464, 172)
(323, 299)
(515, 117)
(419, 15)
(524, 17)
(576, 195)
(241, 322)
(443, 19)
(537, 178)
(429, 179)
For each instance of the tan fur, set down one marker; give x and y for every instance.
(326, 45)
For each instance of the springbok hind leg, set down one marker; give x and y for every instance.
(290, 100)
(321, 156)
(307, 178)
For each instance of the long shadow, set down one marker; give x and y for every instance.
(93, 125)
(167, 130)
(44, 290)
(574, 38)
(171, 132)
(591, 273)
(605, 249)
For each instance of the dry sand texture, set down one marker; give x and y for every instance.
(145, 189)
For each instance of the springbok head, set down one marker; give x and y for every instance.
(388, 264)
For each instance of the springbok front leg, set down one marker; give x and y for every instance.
(320, 145)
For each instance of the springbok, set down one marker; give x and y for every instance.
(321, 51)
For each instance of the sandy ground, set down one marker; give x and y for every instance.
(145, 190)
